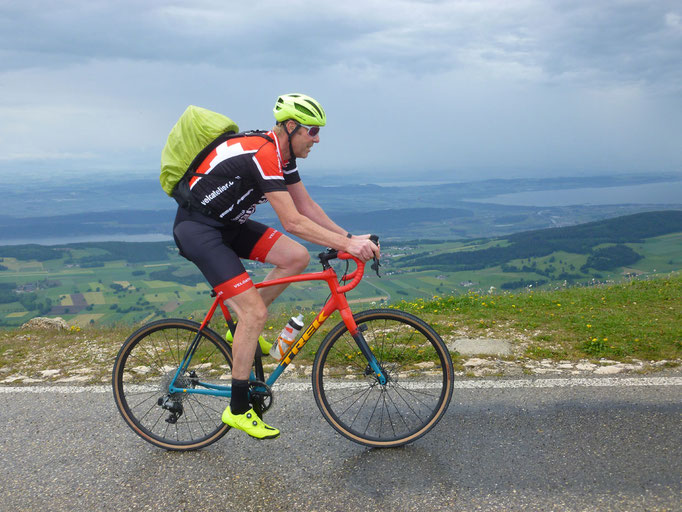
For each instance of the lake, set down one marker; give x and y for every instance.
(152, 237)
(666, 193)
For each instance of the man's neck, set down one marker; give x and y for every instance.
(283, 139)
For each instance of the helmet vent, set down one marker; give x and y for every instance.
(319, 112)
(301, 108)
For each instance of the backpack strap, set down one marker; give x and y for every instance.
(183, 195)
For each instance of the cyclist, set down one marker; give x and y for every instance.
(246, 171)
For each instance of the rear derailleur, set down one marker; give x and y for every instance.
(173, 405)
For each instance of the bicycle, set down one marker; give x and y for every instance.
(381, 377)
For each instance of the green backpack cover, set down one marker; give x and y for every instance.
(196, 129)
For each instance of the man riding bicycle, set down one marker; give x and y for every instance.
(246, 171)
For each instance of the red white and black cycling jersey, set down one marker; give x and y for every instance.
(238, 174)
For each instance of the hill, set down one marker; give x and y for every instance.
(603, 243)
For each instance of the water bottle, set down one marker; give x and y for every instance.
(287, 337)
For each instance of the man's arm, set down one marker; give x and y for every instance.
(300, 225)
(308, 207)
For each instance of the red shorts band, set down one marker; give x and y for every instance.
(264, 244)
(234, 286)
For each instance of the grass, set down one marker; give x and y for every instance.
(636, 320)
(75, 352)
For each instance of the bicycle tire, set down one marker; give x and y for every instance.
(144, 368)
(414, 360)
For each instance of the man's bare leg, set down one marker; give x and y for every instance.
(252, 314)
(250, 307)
(290, 258)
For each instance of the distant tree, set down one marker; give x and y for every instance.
(612, 257)
(522, 283)
(30, 252)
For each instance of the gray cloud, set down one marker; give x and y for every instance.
(610, 40)
(528, 83)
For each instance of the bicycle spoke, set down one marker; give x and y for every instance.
(398, 412)
(205, 407)
(409, 406)
(364, 393)
(189, 403)
(369, 392)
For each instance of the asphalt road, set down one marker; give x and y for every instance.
(574, 447)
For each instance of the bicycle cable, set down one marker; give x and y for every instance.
(341, 279)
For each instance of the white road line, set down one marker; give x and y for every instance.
(459, 384)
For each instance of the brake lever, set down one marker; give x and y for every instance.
(376, 264)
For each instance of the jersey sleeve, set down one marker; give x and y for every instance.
(267, 169)
(291, 175)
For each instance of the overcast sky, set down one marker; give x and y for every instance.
(470, 89)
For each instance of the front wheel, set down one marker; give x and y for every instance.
(147, 363)
(419, 375)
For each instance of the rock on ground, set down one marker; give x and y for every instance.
(41, 322)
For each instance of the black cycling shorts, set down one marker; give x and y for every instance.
(217, 249)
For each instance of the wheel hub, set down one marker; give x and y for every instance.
(387, 374)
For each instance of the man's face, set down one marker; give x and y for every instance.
(302, 142)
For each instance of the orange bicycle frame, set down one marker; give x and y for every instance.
(336, 302)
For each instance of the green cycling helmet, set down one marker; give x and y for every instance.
(301, 108)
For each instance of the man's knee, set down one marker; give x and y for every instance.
(249, 307)
(289, 255)
(255, 314)
(301, 258)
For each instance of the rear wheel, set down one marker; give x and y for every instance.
(416, 364)
(143, 371)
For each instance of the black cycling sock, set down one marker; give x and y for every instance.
(239, 403)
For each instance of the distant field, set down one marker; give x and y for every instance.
(126, 283)
(111, 294)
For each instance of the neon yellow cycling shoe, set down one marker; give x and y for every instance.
(264, 344)
(250, 423)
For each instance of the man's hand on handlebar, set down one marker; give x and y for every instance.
(362, 247)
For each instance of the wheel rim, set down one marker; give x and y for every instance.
(144, 372)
